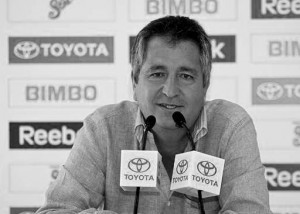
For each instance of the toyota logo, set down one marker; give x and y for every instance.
(139, 165)
(182, 166)
(207, 168)
(269, 91)
(26, 50)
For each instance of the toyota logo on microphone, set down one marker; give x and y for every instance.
(26, 50)
(139, 165)
(207, 168)
(182, 166)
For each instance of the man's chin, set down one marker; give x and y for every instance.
(166, 125)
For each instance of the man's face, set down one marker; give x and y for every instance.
(170, 80)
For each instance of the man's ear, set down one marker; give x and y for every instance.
(134, 95)
(134, 91)
(133, 88)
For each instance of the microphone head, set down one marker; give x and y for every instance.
(178, 119)
(150, 122)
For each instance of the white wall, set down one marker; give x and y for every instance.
(257, 65)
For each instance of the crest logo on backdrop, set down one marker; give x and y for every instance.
(57, 6)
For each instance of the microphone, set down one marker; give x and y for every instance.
(195, 171)
(149, 123)
(179, 119)
(181, 123)
(139, 170)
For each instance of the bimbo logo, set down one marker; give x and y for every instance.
(183, 7)
(182, 166)
(65, 92)
(196, 9)
(139, 165)
(283, 48)
(61, 93)
(270, 91)
(207, 168)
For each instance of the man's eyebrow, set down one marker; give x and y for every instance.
(157, 67)
(189, 69)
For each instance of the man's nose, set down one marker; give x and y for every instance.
(170, 87)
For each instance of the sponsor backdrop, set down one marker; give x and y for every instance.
(61, 59)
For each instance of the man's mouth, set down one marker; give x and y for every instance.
(169, 106)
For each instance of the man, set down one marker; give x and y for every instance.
(171, 64)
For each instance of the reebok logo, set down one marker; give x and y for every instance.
(283, 177)
(42, 135)
(275, 9)
(223, 48)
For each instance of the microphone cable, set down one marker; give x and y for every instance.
(181, 123)
(149, 123)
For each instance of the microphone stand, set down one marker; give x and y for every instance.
(149, 123)
(181, 123)
(200, 200)
(137, 192)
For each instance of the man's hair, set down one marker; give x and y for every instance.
(175, 29)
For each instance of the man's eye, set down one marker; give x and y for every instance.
(157, 75)
(187, 76)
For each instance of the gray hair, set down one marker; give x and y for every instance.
(175, 29)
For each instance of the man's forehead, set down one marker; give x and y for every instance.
(168, 41)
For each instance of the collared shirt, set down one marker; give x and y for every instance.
(90, 178)
(200, 127)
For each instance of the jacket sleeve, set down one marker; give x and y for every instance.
(244, 188)
(80, 185)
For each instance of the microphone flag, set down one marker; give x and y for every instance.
(140, 169)
(195, 171)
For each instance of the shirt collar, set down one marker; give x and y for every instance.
(200, 128)
(139, 126)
